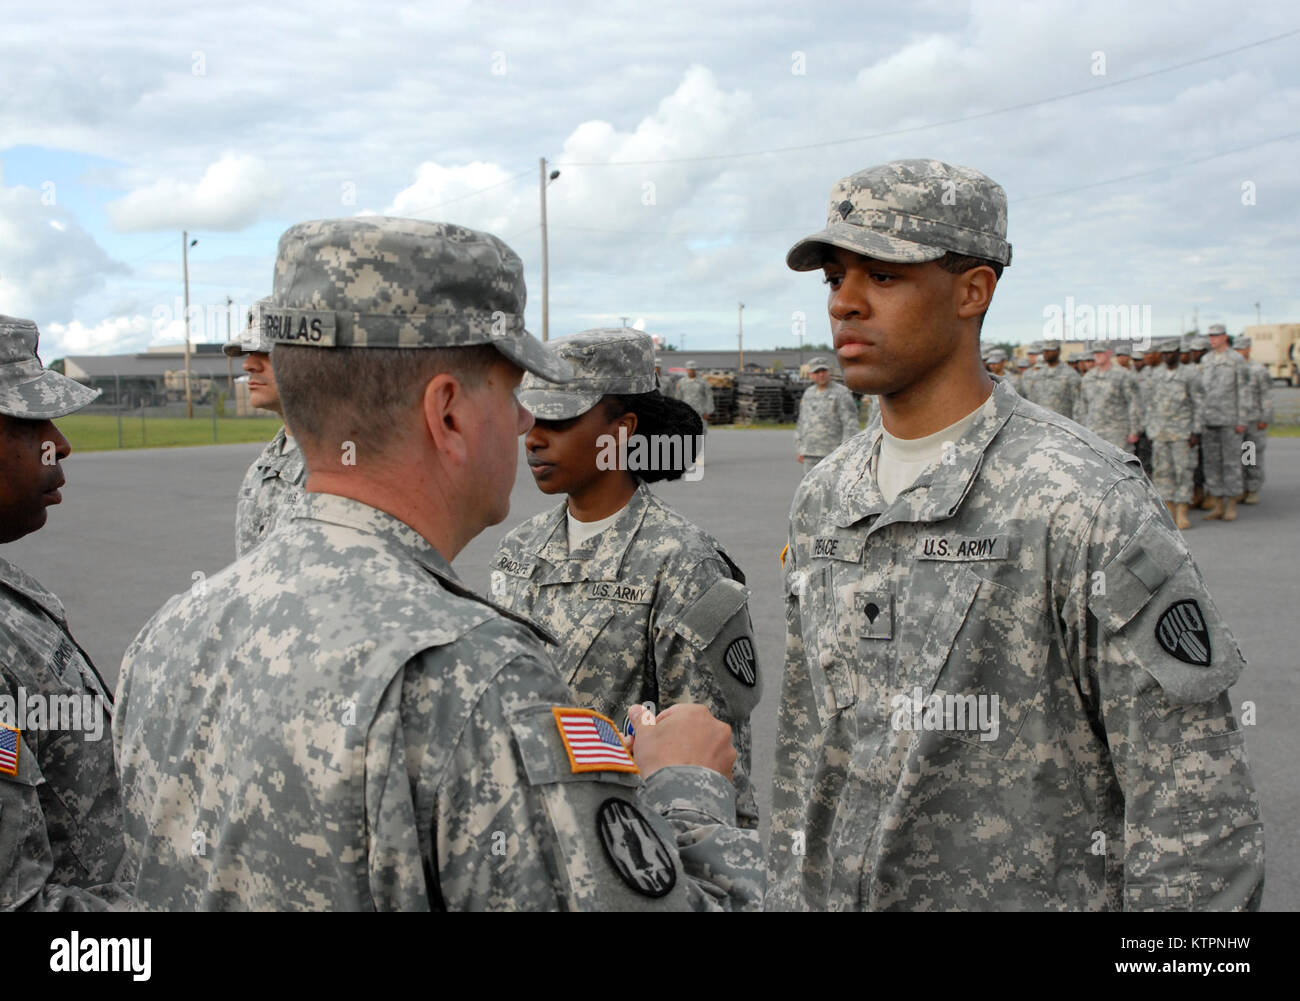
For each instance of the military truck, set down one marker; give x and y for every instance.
(1277, 346)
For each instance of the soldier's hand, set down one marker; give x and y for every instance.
(1193, 441)
(799, 457)
(1132, 439)
(1240, 429)
(1261, 425)
(684, 734)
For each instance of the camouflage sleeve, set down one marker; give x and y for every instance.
(1134, 406)
(246, 529)
(708, 399)
(1265, 382)
(801, 425)
(1247, 392)
(1198, 403)
(1154, 661)
(793, 876)
(848, 411)
(26, 857)
(517, 825)
(704, 652)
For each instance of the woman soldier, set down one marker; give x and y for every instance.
(645, 606)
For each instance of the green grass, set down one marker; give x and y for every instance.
(98, 433)
(1284, 430)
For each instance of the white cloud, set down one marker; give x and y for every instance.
(232, 194)
(47, 260)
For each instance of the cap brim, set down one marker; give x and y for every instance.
(810, 252)
(557, 404)
(232, 349)
(47, 396)
(533, 356)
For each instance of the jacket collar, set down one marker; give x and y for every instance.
(599, 558)
(939, 491)
(30, 588)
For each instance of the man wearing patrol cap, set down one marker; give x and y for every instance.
(1054, 386)
(1108, 401)
(274, 480)
(947, 559)
(1229, 401)
(695, 392)
(337, 722)
(60, 802)
(1173, 422)
(828, 416)
(1033, 354)
(1258, 418)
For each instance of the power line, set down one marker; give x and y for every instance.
(934, 125)
(471, 194)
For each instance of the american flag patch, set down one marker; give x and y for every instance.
(592, 743)
(8, 749)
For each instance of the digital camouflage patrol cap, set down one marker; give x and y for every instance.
(818, 364)
(253, 337)
(28, 389)
(909, 212)
(612, 361)
(379, 282)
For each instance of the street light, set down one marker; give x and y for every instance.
(186, 244)
(544, 180)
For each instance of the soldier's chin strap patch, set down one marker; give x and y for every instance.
(634, 849)
(1181, 632)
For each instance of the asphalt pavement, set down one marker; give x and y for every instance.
(137, 526)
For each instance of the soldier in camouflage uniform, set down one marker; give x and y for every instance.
(997, 365)
(1258, 418)
(1028, 373)
(335, 721)
(647, 606)
(1110, 772)
(695, 393)
(276, 477)
(1109, 403)
(1173, 422)
(827, 416)
(1229, 394)
(60, 803)
(1054, 386)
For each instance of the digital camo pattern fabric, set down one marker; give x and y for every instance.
(826, 418)
(27, 389)
(1173, 408)
(1229, 396)
(334, 722)
(1038, 567)
(1055, 387)
(1110, 405)
(1261, 410)
(60, 803)
(696, 394)
(649, 610)
(271, 486)
(911, 211)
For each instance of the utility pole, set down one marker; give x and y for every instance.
(1196, 318)
(546, 282)
(1258, 321)
(740, 333)
(185, 266)
(625, 319)
(230, 362)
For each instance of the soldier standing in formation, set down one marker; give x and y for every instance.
(827, 416)
(1108, 401)
(336, 722)
(1229, 391)
(60, 801)
(1116, 727)
(274, 480)
(1146, 366)
(1054, 386)
(646, 606)
(698, 395)
(1258, 418)
(1173, 408)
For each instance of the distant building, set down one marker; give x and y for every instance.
(154, 377)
